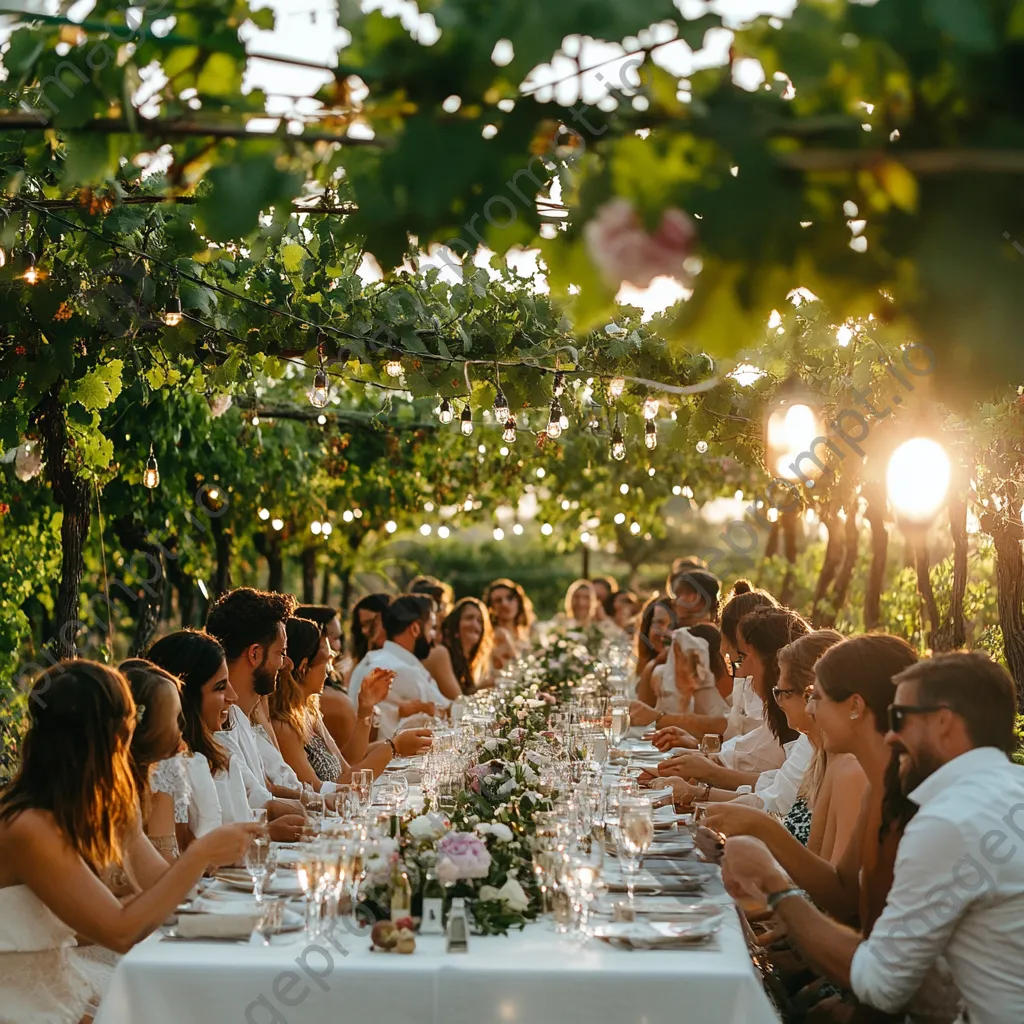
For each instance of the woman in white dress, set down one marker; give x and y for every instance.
(69, 814)
(207, 783)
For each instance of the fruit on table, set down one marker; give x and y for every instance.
(406, 941)
(384, 935)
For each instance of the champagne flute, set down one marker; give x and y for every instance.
(636, 833)
(362, 786)
(257, 860)
(308, 868)
(313, 804)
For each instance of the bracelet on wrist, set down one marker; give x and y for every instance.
(775, 898)
(394, 749)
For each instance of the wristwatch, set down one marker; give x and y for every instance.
(775, 898)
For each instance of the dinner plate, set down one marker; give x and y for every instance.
(284, 882)
(645, 934)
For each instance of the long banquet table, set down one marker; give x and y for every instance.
(533, 976)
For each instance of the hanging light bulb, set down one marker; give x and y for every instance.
(555, 419)
(618, 447)
(151, 474)
(650, 408)
(558, 388)
(651, 435)
(500, 406)
(264, 514)
(616, 386)
(563, 421)
(320, 392)
(509, 433)
(466, 420)
(172, 315)
(33, 274)
(393, 366)
(445, 414)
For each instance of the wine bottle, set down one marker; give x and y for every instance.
(431, 922)
(401, 890)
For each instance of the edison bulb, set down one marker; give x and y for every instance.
(319, 393)
(466, 421)
(616, 386)
(651, 435)
(444, 413)
(393, 367)
(509, 433)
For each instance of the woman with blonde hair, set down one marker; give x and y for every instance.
(70, 814)
(580, 609)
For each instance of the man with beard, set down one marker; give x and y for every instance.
(410, 623)
(250, 627)
(958, 888)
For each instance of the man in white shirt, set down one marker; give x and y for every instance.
(410, 624)
(958, 886)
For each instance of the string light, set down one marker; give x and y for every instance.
(499, 533)
(322, 420)
(347, 516)
(618, 445)
(151, 474)
(264, 514)
(517, 529)
(616, 386)
(650, 435)
(315, 527)
(558, 388)
(501, 412)
(443, 532)
(466, 420)
(33, 274)
(391, 526)
(326, 529)
(650, 408)
(509, 433)
(563, 420)
(554, 428)
(277, 524)
(393, 366)
(320, 392)
(445, 413)
(702, 447)
(547, 529)
(172, 316)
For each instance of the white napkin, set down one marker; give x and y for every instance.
(216, 926)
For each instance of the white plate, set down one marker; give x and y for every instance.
(660, 934)
(284, 882)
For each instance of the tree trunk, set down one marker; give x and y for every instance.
(325, 585)
(875, 515)
(1010, 584)
(829, 567)
(788, 522)
(851, 548)
(222, 545)
(346, 590)
(924, 588)
(771, 547)
(309, 575)
(71, 492)
(147, 590)
(953, 634)
(275, 564)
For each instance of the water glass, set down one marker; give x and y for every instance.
(313, 805)
(259, 859)
(711, 743)
(362, 786)
(636, 833)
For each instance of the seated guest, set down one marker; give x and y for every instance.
(348, 726)
(250, 625)
(158, 773)
(305, 743)
(67, 817)
(512, 618)
(367, 630)
(622, 608)
(692, 690)
(828, 803)
(214, 785)
(761, 635)
(958, 889)
(414, 698)
(605, 587)
(442, 594)
(658, 622)
(695, 593)
(467, 639)
(580, 608)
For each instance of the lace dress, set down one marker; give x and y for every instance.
(169, 777)
(42, 980)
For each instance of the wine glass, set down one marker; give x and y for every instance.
(362, 786)
(313, 805)
(258, 859)
(711, 743)
(308, 868)
(616, 720)
(636, 833)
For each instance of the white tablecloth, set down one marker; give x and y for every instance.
(533, 977)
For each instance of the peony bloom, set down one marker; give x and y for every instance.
(27, 462)
(500, 831)
(219, 405)
(511, 894)
(622, 250)
(422, 828)
(468, 856)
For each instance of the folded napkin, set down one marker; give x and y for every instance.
(216, 926)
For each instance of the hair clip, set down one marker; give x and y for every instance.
(140, 710)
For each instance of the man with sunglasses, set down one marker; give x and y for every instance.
(958, 887)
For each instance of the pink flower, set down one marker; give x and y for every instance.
(623, 251)
(467, 856)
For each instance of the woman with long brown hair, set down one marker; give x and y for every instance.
(468, 638)
(69, 813)
(512, 617)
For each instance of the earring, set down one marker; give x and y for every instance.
(854, 717)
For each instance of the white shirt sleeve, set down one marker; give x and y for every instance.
(256, 790)
(359, 673)
(277, 768)
(775, 792)
(404, 687)
(921, 912)
(236, 799)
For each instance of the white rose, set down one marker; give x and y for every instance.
(519, 699)
(506, 788)
(534, 703)
(501, 832)
(511, 894)
(492, 744)
(529, 775)
(421, 828)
